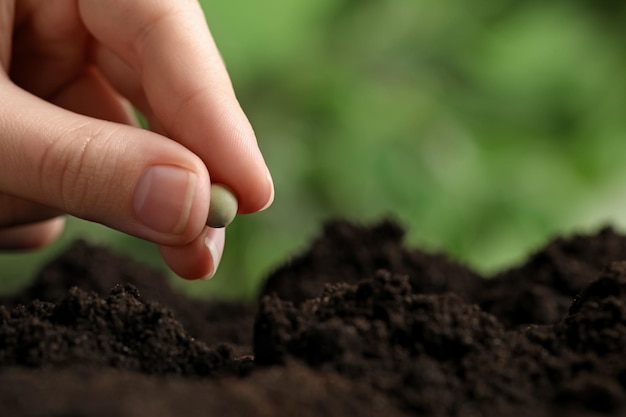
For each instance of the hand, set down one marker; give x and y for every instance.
(69, 142)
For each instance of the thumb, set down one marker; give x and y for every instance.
(127, 178)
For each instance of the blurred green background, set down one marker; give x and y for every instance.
(485, 127)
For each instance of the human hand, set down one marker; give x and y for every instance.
(68, 136)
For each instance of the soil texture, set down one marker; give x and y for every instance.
(358, 324)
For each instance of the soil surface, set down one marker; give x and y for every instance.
(357, 325)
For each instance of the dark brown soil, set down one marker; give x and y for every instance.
(358, 325)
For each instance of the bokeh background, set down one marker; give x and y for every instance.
(485, 127)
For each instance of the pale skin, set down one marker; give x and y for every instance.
(69, 143)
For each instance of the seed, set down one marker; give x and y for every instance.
(223, 206)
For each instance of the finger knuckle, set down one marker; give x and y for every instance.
(68, 166)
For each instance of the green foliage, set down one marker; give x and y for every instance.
(486, 127)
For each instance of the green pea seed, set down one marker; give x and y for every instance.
(223, 206)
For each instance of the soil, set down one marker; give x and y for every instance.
(358, 324)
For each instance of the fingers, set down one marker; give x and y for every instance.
(200, 258)
(91, 95)
(126, 81)
(16, 211)
(31, 236)
(159, 55)
(186, 87)
(130, 179)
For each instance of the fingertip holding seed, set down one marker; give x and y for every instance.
(223, 206)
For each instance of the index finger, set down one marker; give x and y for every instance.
(169, 45)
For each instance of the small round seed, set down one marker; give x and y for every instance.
(223, 206)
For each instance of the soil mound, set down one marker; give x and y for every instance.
(356, 325)
(97, 269)
(348, 252)
(120, 331)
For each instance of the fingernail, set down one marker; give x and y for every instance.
(271, 199)
(214, 242)
(163, 198)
